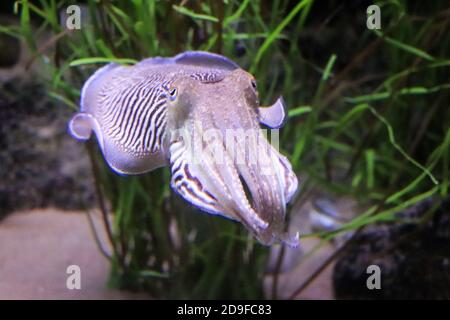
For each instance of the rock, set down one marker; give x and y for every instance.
(413, 256)
(41, 165)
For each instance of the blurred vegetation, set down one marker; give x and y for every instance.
(369, 117)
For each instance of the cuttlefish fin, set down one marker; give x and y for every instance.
(273, 116)
(81, 126)
(125, 164)
(91, 88)
(206, 59)
(194, 58)
(156, 61)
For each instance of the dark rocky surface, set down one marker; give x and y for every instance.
(412, 253)
(40, 164)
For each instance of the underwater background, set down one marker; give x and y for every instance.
(368, 136)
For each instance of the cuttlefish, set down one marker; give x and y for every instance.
(199, 113)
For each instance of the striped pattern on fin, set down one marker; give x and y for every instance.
(92, 86)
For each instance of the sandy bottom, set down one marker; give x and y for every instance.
(36, 248)
(302, 269)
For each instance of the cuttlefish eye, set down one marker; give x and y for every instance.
(173, 94)
(253, 83)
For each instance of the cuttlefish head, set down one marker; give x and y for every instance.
(221, 160)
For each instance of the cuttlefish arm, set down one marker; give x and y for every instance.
(215, 184)
(220, 179)
(213, 187)
(273, 116)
